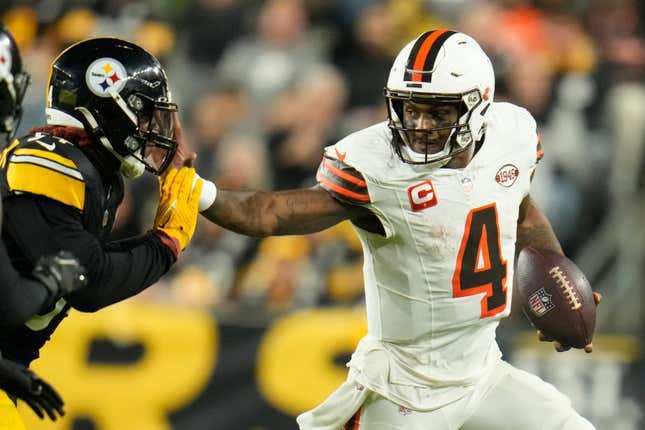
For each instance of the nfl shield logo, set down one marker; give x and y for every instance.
(540, 302)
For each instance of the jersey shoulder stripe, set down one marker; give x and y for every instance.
(48, 160)
(43, 165)
(343, 181)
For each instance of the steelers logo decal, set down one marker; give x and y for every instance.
(104, 76)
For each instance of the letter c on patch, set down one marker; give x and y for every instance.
(422, 195)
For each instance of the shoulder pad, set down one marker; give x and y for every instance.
(521, 125)
(534, 134)
(45, 165)
(342, 181)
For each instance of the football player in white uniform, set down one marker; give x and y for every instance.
(439, 196)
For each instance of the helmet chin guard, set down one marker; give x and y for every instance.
(440, 66)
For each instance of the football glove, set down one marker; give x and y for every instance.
(20, 382)
(60, 273)
(178, 205)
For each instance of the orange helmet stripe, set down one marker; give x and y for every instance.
(424, 54)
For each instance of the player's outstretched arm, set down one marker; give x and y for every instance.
(260, 213)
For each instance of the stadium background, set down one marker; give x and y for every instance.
(244, 334)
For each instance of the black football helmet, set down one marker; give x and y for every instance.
(13, 86)
(119, 93)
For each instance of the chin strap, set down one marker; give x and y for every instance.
(131, 168)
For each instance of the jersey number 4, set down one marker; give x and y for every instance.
(480, 265)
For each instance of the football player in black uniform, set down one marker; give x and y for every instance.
(54, 276)
(109, 114)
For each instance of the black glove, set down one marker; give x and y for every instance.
(18, 381)
(60, 273)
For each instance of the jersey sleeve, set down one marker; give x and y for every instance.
(53, 200)
(21, 297)
(342, 181)
(45, 173)
(115, 271)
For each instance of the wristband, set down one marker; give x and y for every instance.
(208, 195)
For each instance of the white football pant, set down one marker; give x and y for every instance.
(509, 399)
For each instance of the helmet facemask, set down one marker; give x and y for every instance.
(440, 66)
(459, 139)
(142, 138)
(152, 142)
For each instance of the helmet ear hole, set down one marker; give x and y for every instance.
(135, 102)
(132, 144)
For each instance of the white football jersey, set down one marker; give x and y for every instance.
(440, 280)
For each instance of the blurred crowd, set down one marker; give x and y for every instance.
(263, 86)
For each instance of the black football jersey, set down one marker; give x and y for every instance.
(56, 199)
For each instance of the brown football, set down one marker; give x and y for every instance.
(556, 296)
